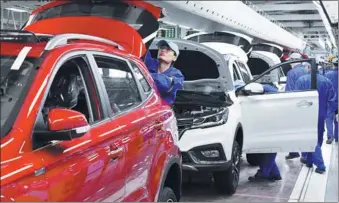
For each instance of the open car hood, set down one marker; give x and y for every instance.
(205, 70)
(132, 24)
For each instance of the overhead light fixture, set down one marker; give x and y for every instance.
(17, 10)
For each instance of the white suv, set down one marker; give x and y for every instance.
(217, 123)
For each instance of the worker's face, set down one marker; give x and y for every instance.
(166, 54)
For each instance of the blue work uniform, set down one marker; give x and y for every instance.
(333, 77)
(167, 82)
(327, 102)
(267, 165)
(292, 76)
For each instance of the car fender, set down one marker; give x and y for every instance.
(167, 167)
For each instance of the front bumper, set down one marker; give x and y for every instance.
(194, 159)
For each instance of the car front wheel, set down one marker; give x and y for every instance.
(226, 182)
(167, 195)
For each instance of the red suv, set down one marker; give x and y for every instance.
(81, 119)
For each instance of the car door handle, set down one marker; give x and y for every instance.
(304, 103)
(116, 153)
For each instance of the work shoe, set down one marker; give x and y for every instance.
(320, 171)
(329, 140)
(259, 178)
(303, 160)
(276, 177)
(291, 156)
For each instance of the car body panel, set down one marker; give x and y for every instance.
(104, 28)
(136, 38)
(286, 125)
(82, 169)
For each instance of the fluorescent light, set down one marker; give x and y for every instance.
(17, 10)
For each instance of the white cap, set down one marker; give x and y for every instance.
(294, 56)
(306, 64)
(171, 45)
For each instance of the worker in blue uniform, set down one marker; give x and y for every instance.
(292, 76)
(327, 102)
(167, 78)
(268, 169)
(331, 118)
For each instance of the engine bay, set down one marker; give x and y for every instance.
(193, 117)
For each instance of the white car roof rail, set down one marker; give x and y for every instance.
(63, 38)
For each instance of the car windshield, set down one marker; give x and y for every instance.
(14, 86)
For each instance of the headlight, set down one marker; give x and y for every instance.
(218, 118)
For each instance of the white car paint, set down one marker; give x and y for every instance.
(271, 122)
(228, 49)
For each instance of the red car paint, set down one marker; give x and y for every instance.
(124, 157)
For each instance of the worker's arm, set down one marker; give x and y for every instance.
(168, 83)
(289, 81)
(150, 62)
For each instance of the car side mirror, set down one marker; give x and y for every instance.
(282, 80)
(254, 88)
(64, 124)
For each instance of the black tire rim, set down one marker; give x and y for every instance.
(235, 166)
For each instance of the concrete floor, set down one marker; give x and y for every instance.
(201, 189)
(331, 194)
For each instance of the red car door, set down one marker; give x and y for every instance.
(136, 122)
(73, 168)
(21, 180)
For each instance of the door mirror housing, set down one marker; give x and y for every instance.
(64, 124)
(254, 88)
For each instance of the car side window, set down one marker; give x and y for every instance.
(141, 78)
(71, 88)
(243, 71)
(236, 75)
(122, 89)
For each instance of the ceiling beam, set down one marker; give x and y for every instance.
(312, 29)
(301, 24)
(288, 7)
(296, 17)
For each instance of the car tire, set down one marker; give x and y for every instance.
(253, 159)
(226, 182)
(167, 195)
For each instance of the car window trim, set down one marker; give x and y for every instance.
(143, 75)
(55, 70)
(239, 63)
(313, 74)
(235, 68)
(120, 113)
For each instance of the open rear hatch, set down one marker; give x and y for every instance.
(232, 38)
(132, 24)
(275, 49)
